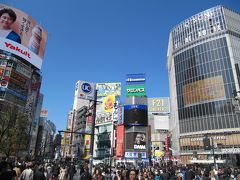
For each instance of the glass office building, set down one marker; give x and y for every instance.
(203, 67)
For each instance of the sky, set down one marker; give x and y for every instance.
(103, 40)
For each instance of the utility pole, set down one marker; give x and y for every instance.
(93, 131)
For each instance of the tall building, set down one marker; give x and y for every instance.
(203, 66)
(22, 48)
(158, 120)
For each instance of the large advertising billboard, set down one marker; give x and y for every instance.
(21, 35)
(158, 105)
(120, 141)
(136, 140)
(136, 115)
(205, 90)
(105, 89)
(106, 112)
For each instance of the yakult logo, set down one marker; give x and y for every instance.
(16, 48)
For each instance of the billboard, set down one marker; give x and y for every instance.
(205, 90)
(106, 112)
(132, 79)
(135, 115)
(136, 90)
(105, 89)
(85, 90)
(136, 140)
(158, 105)
(22, 35)
(120, 141)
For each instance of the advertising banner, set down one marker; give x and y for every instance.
(105, 89)
(87, 142)
(108, 103)
(136, 90)
(89, 121)
(22, 35)
(120, 141)
(158, 105)
(135, 115)
(205, 90)
(106, 112)
(136, 140)
(132, 79)
(85, 90)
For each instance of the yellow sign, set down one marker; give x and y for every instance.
(158, 153)
(108, 103)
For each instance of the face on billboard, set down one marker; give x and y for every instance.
(135, 115)
(22, 35)
(136, 140)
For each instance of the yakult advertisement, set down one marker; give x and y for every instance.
(21, 35)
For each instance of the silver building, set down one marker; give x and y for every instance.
(203, 67)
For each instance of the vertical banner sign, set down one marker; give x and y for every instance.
(120, 141)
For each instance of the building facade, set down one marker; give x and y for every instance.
(203, 66)
(20, 71)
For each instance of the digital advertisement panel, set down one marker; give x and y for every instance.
(158, 105)
(136, 90)
(136, 140)
(209, 89)
(136, 115)
(120, 141)
(105, 89)
(22, 35)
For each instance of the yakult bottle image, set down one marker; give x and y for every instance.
(34, 42)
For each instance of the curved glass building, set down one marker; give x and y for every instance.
(203, 67)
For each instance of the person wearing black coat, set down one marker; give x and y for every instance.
(86, 175)
(38, 173)
(71, 171)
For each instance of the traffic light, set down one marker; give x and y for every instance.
(206, 143)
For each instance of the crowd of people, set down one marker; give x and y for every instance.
(67, 170)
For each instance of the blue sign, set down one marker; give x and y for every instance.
(132, 79)
(86, 87)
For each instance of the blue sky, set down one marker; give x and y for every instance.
(103, 40)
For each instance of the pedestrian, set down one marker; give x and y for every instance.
(6, 171)
(86, 175)
(38, 173)
(63, 173)
(55, 171)
(27, 173)
(71, 171)
(132, 174)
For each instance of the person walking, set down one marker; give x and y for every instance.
(86, 175)
(38, 173)
(63, 173)
(27, 173)
(71, 171)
